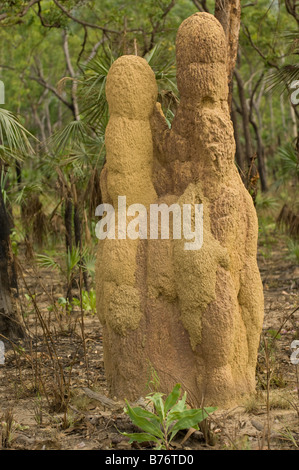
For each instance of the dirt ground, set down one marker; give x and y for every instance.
(53, 392)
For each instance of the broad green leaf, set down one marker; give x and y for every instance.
(146, 414)
(178, 408)
(151, 427)
(189, 419)
(177, 415)
(140, 437)
(159, 405)
(172, 397)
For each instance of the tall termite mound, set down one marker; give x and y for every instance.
(193, 316)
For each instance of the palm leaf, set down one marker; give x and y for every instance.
(280, 80)
(92, 92)
(73, 133)
(48, 262)
(13, 135)
(289, 161)
(164, 68)
(292, 38)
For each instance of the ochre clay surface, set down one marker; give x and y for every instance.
(194, 317)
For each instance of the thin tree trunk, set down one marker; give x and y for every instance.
(228, 13)
(19, 173)
(78, 234)
(10, 320)
(41, 126)
(272, 126)
(72, 74)
(68, 209)
(245, 117)
(282, 109)
(260, 156)
(240, 160)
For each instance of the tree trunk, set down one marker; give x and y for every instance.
(10, 321)
(228, 13)
(260, 157)
(68, 210)
(245, 117)
(78, 236)
(240, 159)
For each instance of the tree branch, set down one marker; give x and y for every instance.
(23, 12)
(168, 8)
(84, 23)
(39, 79)
(291, 7)
(261, 54)
(201, 5)
(72, 74)
(94, 50)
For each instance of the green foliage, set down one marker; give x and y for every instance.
(285, 164)
(14, 140)
(72, 260)
(29, 307)
(39, 85)
(88, 301)
(153, 382)
(64, 304)
(282, 78)
(15, 239)
(289, 162)
(293, 250)
(169, 417)
(4, 180)
(92, 90)
(274, 334)
(266, 202)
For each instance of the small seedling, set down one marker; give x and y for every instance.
(8, 429)
(169, 417)
(88, 301)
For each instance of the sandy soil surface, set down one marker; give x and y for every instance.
(53, 389)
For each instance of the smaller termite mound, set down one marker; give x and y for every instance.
(131, 92)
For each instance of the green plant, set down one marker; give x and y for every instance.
(287, 435)
(38, 410)
(153, 382)
(265, 202)
(88, 301)
(29, 307)
(169, 417)
(14, 143)
(71, 263)
(8, 428)
(293, 249)
(72, 259)
(64, 305)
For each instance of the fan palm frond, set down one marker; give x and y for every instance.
(14, 138)
(48, 262)
(292, 38)
(92, 90)
(289, 161)
(63, 140)
(280, 80)
(165, 71)
(21, 196)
